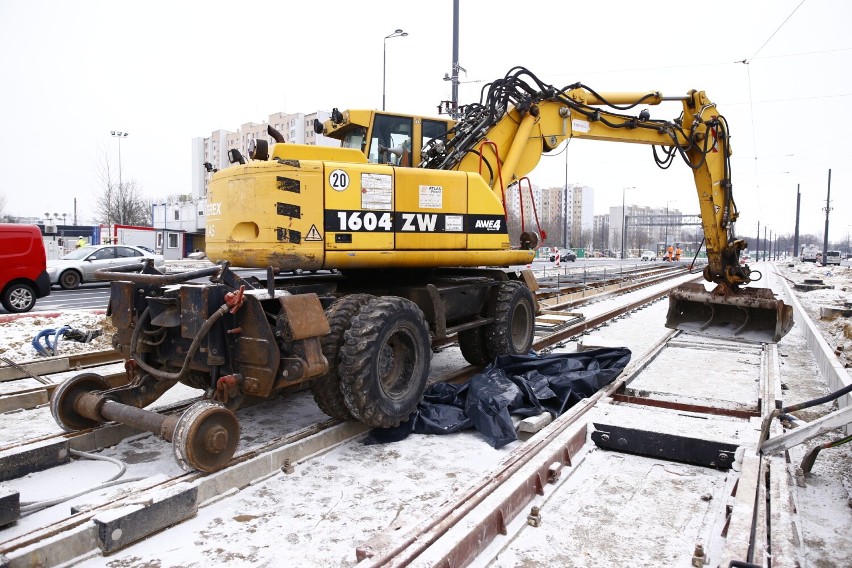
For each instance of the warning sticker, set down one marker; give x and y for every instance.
(376, 198)
(313, 234)
(431, 197)
(376, 181)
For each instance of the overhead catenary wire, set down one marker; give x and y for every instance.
(787, 19)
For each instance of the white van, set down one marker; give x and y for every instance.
(832, 257)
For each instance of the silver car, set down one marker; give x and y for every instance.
(80, 265)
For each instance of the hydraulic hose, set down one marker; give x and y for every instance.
(202, 333)
(817, 401)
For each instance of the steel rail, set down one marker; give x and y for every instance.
(423, 535)
(76, 520)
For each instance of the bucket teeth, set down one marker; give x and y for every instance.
(752, 315)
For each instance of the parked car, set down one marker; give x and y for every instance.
(832, 257)
(648, 255)
(79, 266)
(564, 254)
(23, 277)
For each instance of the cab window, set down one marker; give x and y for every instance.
(432, 129)
(356, 138)
(391, 140)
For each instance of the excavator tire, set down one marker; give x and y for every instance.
(326, 389)
(384, 361)
(514, 323)
(472, 345)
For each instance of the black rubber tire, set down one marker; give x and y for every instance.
(18, 298)
(70, 280)
(384, 361)
(472, 345)
(512, 332)
(326, 389)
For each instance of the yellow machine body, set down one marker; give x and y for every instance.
(295, 211)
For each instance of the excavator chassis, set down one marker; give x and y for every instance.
(752, 315)
(243, 340)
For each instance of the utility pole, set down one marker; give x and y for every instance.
(798, 210)
(757, 248)
(623, 222)
(564, 195)
(827, 210)
(455, 77)
(769, 244)
(764, 242)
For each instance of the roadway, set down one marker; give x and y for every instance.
(95, 295)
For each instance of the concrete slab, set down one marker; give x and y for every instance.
(18, 462)
(121, 527)
(10, 506)
(706, 377)
(622, 510)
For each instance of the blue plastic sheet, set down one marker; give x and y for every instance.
(526, 385)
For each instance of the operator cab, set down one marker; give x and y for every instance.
(384, 138)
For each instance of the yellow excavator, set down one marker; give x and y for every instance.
(376, 249)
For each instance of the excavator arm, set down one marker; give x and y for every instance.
(519, 118)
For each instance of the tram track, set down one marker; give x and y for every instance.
(45, 371)
(111, 432)
(274, 462)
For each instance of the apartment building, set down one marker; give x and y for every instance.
(644, 228)
(179, 219)
(563, 214)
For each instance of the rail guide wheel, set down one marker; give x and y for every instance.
(205, 437)
(65, 396)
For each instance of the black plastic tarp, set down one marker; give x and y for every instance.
(526, 385)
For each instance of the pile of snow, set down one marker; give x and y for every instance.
(17, 333)
(836, 330)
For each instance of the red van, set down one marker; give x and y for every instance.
(23, 277)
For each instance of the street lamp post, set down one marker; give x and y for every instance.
(118, 134)
(396, 33)
(623, 220)
(666, 243)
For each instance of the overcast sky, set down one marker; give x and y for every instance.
(168, 72)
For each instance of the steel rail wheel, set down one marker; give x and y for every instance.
(384, 361)
(205, 437)
(65, 396)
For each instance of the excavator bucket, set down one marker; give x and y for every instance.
(753, 315)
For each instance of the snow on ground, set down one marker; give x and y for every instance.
(17, 333)
(823, 497)
(836, 330)
(318, 514)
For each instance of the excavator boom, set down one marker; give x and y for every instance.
(519, 118)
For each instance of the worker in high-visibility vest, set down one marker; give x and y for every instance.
(669, 253)
(678, 252)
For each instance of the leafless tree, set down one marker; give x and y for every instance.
(119, 201)
(2, 205)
